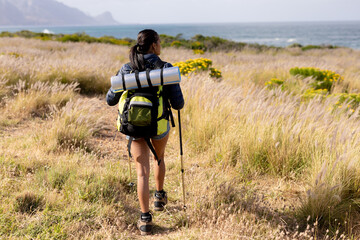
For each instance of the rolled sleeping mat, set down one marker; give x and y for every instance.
(149, 78)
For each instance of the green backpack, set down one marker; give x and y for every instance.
(144, 112)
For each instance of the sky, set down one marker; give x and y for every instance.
(220, 11)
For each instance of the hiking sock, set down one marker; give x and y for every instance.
(145, 224)
(160, 193)
(146, 217)
(160, 200)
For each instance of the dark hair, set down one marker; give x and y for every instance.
(145, 39)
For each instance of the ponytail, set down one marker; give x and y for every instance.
(144, 41)
(136, 59)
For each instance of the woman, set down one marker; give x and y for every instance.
(145, 54)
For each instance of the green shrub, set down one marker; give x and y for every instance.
(198, 51)
(324, 79)
(7, 34)
(200, 42)
(310, 47)
(312, 93)
(274, 82)
(198, 46)
(167, 41)
(351, 101)
(113, 40)
(176, 44)
(215, 73)
(295, 45)
(217, 43)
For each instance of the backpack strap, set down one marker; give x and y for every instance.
(137, 79)
(152, 150)
(123, 81)
(162, 76)
(148, 77)
(148, 142)
(159, 63)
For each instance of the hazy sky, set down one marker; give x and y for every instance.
(212, 11)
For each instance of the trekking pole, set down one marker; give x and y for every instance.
(130, 171)
(181, 158)
(131, 184)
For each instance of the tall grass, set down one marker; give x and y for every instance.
(38, 98)
(74, 125)
(272, 132)
(26, 101)
(259, 163)
(56, 62)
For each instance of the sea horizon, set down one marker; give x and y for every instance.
(281, 34)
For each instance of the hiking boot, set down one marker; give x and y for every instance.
(160, 200)
(145, 224)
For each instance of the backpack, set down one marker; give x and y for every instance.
(144, 112)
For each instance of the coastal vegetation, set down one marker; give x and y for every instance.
(198, 43)
(270, 145)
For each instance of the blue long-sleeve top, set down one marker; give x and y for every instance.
(172, 92)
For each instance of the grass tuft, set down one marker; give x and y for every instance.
(108, 189)
(74, 124)
(29, 202)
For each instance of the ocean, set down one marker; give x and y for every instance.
(281, 34)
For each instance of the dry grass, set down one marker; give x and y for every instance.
(58, 62)
(260, 164)
(74, 125)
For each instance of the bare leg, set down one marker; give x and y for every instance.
(159, 170)
(140, 152)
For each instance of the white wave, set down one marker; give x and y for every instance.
(47, 31)
(291, 40)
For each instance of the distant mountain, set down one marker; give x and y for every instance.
(47, 12)
(9, 14)
(106, 18)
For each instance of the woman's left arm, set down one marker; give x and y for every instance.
(113, 98)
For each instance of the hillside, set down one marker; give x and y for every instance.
(265, 156)
(47, 12)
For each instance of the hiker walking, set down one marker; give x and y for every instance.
(144, 56)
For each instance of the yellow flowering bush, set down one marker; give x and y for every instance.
(324, 79)
(215, 73)
(350, 101)
(198, 45)
(274, 82)
(198, 51)
(176, 44)
(347, 101)
(197, 65)
(311, 93)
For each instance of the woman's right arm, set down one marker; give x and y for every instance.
(174, 94)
